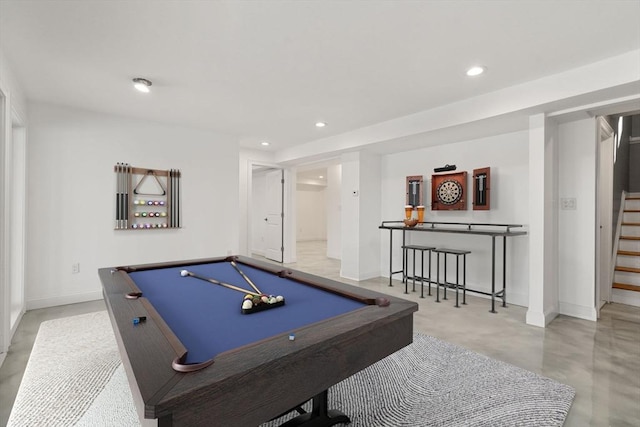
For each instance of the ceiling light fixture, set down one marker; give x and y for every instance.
(142, 84)
(265, 143)
(475, 71)
(320, 124)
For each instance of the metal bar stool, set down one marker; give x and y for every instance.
(457, 254)
(414, 249)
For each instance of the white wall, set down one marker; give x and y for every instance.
(577, 228)
(311, 213)
(71, 186)
(507, 156)
(334, 211)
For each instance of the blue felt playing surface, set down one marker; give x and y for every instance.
(207, 318)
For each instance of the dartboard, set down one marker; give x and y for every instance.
(449, 192)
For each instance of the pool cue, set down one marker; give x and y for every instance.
(122, 184)
(176, 176)
(118, 196)
(244, 276)
(185, 273)
(172, 215)
(173, 198)
(117, 192)
(126, 194)
(173, 191)
(178, 197)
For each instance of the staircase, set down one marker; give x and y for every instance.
(626, 282)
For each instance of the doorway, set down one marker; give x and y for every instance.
(318, 213)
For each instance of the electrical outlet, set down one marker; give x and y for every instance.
(75, 268)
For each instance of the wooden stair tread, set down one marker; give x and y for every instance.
(629, 237)
(629, 253)
(631, 223)
(631, 210)
(632, 198)
(626, 287)
(628, 269)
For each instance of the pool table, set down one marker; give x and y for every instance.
(193, 358)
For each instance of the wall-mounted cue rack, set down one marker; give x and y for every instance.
(147, 198)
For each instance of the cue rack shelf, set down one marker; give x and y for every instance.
(147, 199)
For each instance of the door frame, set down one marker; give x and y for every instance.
(604, 200)
(289, 220)
(5, 175)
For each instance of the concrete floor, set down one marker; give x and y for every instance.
(601, 360)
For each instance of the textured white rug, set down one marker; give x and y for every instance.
(429, 383)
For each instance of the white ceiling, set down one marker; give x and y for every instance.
(268, 70)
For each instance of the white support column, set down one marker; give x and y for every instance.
(361, 178)
(543, 226)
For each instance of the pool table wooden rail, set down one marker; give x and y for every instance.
(254, 383)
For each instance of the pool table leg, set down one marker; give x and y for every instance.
(320, 415)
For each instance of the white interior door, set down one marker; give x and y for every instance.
(274, 216)
(605, 214)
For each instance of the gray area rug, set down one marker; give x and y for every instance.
(429, 383)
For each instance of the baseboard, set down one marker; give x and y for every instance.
(362, 276)
(541, 319)
(63, 300)
(13, 330)
(622, 296)
(579, 311)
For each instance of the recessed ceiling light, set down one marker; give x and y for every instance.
(321, 177)
(475, 71)
(265, 143)
(142, 84)
(320, 124)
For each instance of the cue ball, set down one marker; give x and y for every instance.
(184, 273)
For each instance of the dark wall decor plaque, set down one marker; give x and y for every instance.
(482, 189)
(414, 190)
